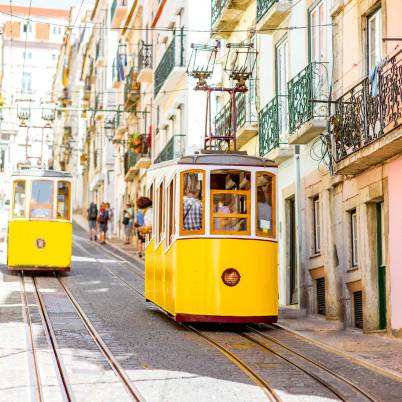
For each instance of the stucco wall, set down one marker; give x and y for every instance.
(395, 241)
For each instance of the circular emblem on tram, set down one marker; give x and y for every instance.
(40, 243)
(230, 277)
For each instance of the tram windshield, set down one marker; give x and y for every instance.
(41, 199)
(63, 200)
(19, 199)
(230, 202)
(265, 188)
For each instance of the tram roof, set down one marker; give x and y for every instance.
(41, 173)
(225, 158)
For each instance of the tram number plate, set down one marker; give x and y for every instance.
(40, 243)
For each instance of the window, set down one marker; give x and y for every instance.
(374, 39)
(317, 225)
(282, 64)
(53, 56)
(192, 208)
(19, 199)
(63, 200)
(26, 82)
(27, 55)
(41, 199)
(160, 214)
(170, 199)
(2, 159)
(353, 225)
(27, 28)
(230, 202)
(318, 33)
(265, 210)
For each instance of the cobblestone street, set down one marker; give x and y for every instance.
(89, 335)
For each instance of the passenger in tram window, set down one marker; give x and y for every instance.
(144, 205)
(264, 212)
(192, 210)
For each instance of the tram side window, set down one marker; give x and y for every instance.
(265, 213)
(230, 202)
(192, 210)
(63, 200)
(160, 212)
(41, 199)
(19, 199)
(170, 203)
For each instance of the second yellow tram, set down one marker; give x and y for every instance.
(40, 224)
(212, 256)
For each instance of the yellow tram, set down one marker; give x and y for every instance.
(40, 225)
(212, 255)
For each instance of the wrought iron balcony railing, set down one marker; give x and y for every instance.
(145, 57)
(173, 57)
(217, 7)
(173, 149)
(246, 113)
(368, 111)
(130, 159)
(273, 124)
(263, 6)
(307, 91)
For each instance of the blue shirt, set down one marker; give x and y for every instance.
(140, 218)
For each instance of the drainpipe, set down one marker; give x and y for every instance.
(299, 223)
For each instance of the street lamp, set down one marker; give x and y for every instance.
(109, 129)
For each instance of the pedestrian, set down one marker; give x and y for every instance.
(144, 205)
(110, 220)
(102, 221)
(92, 213)
(128, 219)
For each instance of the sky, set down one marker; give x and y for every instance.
(49, 3)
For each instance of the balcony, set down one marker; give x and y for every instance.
(225, 15)
(246, 119)
(271, 13)
(118, 12)
(139, 157)
(366, 128)
(172, 65)
(308, 91)
(145, 63)
(131, 90)
(173, 149)
(120, 125)
(274, 130)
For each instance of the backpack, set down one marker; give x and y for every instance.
(93, 213)
(103, 217)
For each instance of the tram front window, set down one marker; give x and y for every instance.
(19, 199)
(41, 199)
(265, 204)
(192, 196)
(63, 200)
(230, 198)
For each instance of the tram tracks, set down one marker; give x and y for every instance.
(337, 385)
(65, 386)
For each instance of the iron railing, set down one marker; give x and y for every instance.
(263, 6)
(173, 57)
(217, 7)
(173, 149)
(130, 159)
(368, 111)
(246, 113)
(131, 85)
(273, 124)
(307, 91)
(145, 57)
(117, 116)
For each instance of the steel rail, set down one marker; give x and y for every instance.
(267, 388)
(314, 362)
(28, 322)
(115, 365)
(50, 335)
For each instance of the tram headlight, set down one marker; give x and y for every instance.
(230, 277)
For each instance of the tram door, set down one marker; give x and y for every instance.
(382, 298)
(292, 252)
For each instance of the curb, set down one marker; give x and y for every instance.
(386, 372)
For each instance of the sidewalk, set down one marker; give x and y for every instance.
(128, 249)
(375, 351)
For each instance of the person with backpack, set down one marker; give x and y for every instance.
(103, 218)
(128, 219)
(92, 217)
